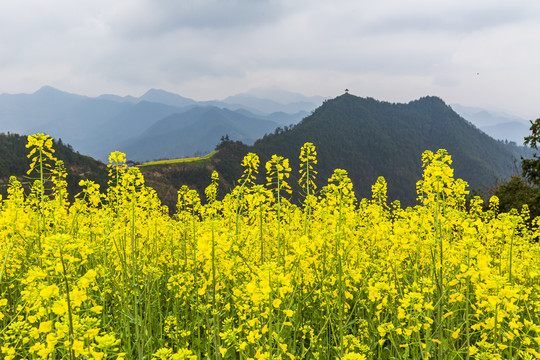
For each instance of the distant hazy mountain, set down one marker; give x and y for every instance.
(497, 124)
(70, 117)
(117, 98)
(511, 131)
(20, 112)
(195, 131)
(275, 100)
(281, 118)
(167, 98)
(283, 96)
(128, 124)
(98, 125)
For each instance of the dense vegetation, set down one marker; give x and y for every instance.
(167, 179)
(515, 193)
(112, 276)
(370, 138)
(14, 161)
(525, 189)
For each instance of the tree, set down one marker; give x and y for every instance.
(531, 167)
(518, 191)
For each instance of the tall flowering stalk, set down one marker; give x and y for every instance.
(277, 171)
(340, 197)
(251, 164)
(41, 155)
(308, 158)
(212, 209)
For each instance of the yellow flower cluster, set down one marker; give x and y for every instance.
(248, 275)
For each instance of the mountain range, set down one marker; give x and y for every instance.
(198, 128)
(497, 124)
(366, 137)
(99, 125)
(371, 138)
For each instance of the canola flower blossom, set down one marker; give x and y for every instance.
(248, 275)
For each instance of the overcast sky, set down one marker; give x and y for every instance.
(471, 52)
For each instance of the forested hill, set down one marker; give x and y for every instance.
(14, 161)
(370, 138)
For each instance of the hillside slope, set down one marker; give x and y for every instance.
(370, 138)
(14, 162)
(196, 130)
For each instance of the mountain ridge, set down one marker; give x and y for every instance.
(200, 127)
(370, 138)
(98, 125)
(497, 124)
(367, 137)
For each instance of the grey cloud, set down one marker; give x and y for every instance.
(151, 18)
(445, 81)
(456, 20)
(215, 46)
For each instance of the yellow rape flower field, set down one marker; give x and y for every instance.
(252, 276)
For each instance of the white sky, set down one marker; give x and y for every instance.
(482, 53)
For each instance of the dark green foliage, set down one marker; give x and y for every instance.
(227, 162)
(515, 193)
(531, 167)
(370, 138)
(14, 161)
(13, 158)
(167, 179)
